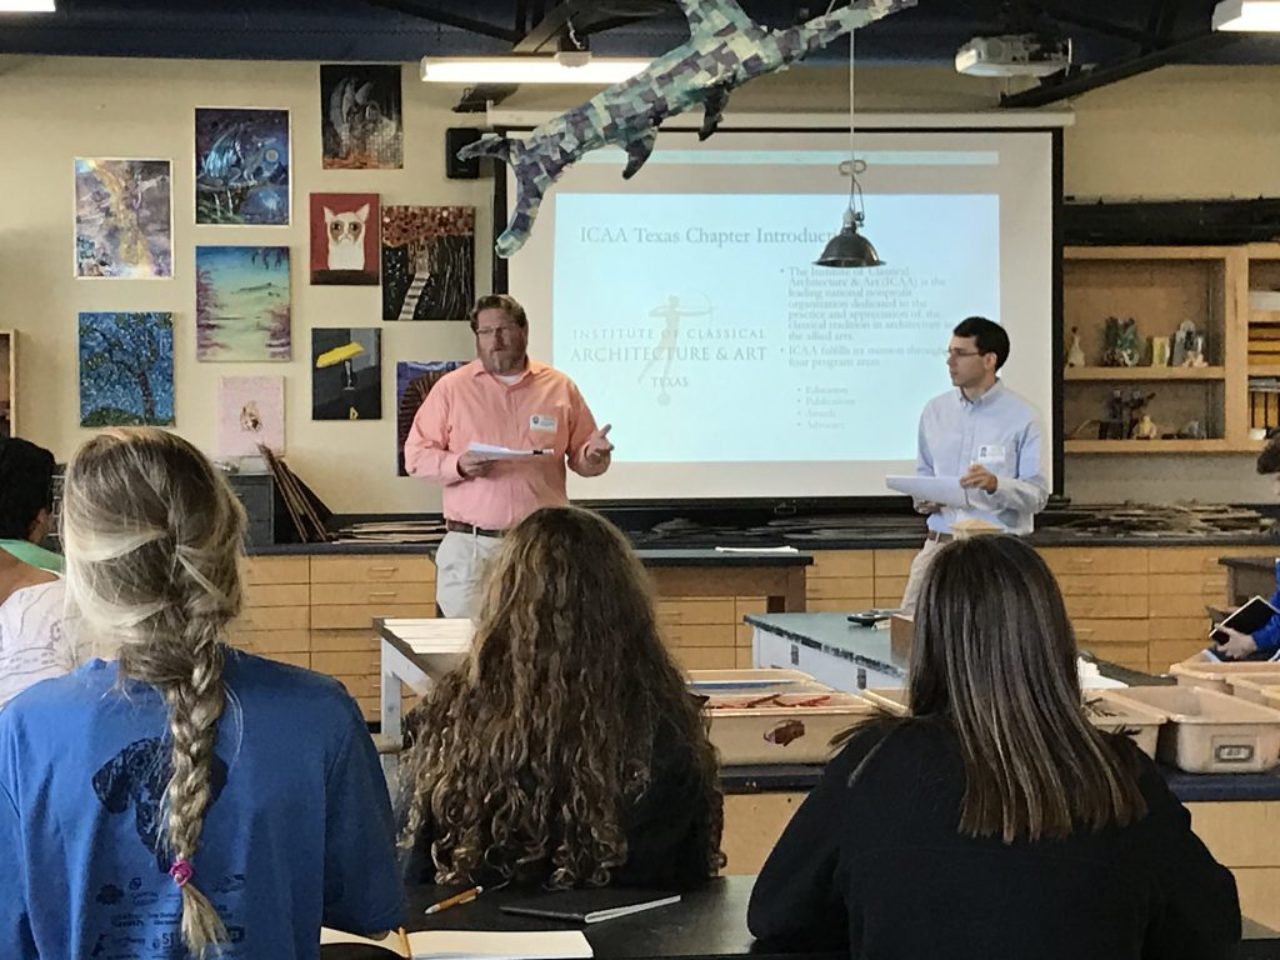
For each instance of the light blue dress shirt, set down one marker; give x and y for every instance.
(1000, 431)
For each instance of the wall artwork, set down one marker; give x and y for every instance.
(344, 238)
(242, 304)
(414, 380)
(124, 218)
(346, 373)
(250, 412)
(428, 262)
(242, 166)
(361, 119)
(126, 369)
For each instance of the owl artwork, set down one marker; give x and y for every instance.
(345, 244)
(346, 238)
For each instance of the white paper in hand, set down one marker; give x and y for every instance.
(491, 451)
(944, 490)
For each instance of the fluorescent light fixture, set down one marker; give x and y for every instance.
(27, 6)
(571, 67)
(1255, 16)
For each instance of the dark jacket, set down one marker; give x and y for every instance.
(878, 868)
(668, 830)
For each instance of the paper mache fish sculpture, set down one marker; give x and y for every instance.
(725, 49)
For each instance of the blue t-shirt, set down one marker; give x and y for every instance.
(299, 831)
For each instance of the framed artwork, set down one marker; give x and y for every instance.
(344, 238)
(243, 304)
(361, 117)
(428, 262)
(414, 380)
(250, 412)
(242, 166)
(346, 373)
(124, 218)
(126, 369)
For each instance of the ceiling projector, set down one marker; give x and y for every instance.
(1014, 55)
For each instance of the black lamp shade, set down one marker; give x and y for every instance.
(849, 248)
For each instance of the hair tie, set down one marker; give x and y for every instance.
(181, 871)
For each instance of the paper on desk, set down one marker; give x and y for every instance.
(756, 550)
(492, 451)
(490, 945)
(944, 490)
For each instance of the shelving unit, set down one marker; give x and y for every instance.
(8, 383)
(1160, 287)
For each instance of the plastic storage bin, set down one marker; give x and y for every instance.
(893, 699)
(1255, 685)
(752, 681)
(1216, 675)
(794, 727)
(1210, 732)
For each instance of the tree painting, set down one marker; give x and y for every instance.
(126, 369)
(428, 262)
(242, 304)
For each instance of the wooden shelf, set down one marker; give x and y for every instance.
(1264, 369)
(1138, 254)
(1144, 373)
(1216, 445)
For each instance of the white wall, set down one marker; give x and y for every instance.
(1178, 132)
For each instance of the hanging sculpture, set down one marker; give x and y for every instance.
(725, 49)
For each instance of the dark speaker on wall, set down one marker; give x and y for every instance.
(455, 138)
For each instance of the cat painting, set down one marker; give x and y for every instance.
(344, 238)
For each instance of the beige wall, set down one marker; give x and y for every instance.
(1178, 132)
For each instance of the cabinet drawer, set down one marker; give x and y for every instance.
(745, 606)
(334, 594)
(835, 587)
(1088, 584)
(1197, 559)
(277, 595)
(294, 659)
(273, 618)
(889, 591)
(1106, 608)
(1165, 653)
(360, 686)
(1209, 585)
(704, 658)
(268, 642)
(352, 663)
(399, 568)
(263, 570)
(839, 605)
(1185, 605)
(842, 563)
(894, 563)
(700, 635)
(344, 641)
(1131, 655)
(1090, 631)
(695, 611)
(1180, 628)
(360, 616)
(1095, 560)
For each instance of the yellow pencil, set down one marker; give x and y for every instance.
(466, 896)
(404, 943)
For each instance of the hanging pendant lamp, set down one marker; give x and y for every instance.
(849, 248)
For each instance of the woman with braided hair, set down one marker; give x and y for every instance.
(183, 799)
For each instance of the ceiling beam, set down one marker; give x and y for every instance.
(1054, 91)
(1107, 28)
(435, 15)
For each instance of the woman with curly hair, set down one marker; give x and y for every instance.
(567, 751)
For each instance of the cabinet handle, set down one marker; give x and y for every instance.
(384, 593)
(1085, 632)
(390, 569)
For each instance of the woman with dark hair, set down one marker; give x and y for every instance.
(26, 502)
(995, 820)
(567, 751)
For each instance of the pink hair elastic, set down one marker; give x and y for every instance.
(181, 871)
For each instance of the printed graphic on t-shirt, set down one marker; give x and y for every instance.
(139, 774)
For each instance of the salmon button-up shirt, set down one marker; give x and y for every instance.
(543, 410)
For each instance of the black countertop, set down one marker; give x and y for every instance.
(1263, 564)
(706, 924)
(833, 634)
(649, 556)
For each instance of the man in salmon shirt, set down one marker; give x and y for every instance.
(502, 398)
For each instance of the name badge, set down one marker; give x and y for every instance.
(991, 453)
(542, 422)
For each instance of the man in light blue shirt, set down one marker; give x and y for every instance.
(985, 434)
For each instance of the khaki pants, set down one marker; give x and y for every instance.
(919, 567)
(461, 559)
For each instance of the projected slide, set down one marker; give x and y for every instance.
(685, 310)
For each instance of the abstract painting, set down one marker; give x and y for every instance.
(414, 380)
(124, 218)
(361, 120)
(344, 238)
(242, 166)
(250, 412)
(242, 304)
(346, 373)
(126, 369)
(428, 262)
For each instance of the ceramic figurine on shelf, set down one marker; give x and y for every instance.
(1192, 431)
(1159, 351)
(1121, 339)
(1184, 342)
(1075, 353)
(1146, 429)
(1195, 352)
